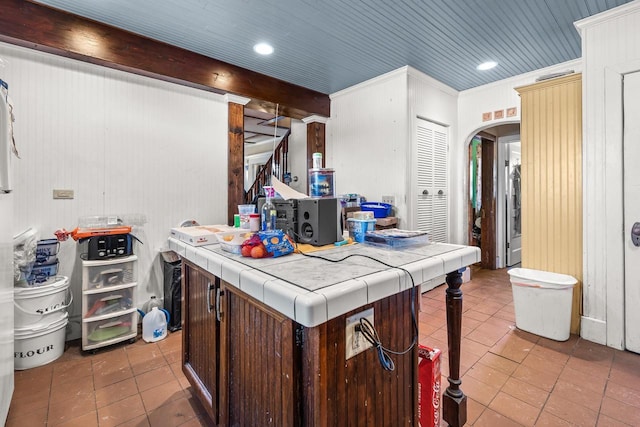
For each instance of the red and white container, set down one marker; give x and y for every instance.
(429, 391)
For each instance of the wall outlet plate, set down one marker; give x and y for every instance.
(389, 199)
(355, 342)
(62, 194)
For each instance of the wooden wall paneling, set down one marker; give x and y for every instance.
(551, 133)
(235, 171)
(316, 139)
(47, 29)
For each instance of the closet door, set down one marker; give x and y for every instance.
(432, 180)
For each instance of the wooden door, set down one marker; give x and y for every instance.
(259, 363)
(488, 212)
(201, 336)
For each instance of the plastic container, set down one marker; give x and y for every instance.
(231, 239)
(40, 273)
(154, 325)
(47, 247)
(42, 304)
(39, 344)
(380, 210)
(358, 228)
(542, 301)
(396, 239)
(245, 211)
(321, 183)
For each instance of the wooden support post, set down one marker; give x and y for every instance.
(235, 180)
(454, 402)
(316, 135)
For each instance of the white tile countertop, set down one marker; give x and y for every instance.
(311, 290)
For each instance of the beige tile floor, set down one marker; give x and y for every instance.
(511, 378)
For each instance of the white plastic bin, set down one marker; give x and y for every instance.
(542, 301)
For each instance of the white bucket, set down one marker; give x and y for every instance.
(42, 304)
(39, 344)
(542, 302)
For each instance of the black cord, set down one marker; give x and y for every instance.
(367, 329)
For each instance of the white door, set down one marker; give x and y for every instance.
(632, 210)
(514, 198)
(432, 180)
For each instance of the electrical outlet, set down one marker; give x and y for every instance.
(355, 342)
(63, 194)
(389, 199)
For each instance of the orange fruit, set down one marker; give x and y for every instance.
(257, 252)
(246, 251)
(227, 237)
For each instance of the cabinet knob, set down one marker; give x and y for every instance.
(425, 192)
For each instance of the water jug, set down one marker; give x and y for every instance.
(152, 302)
(154, 325)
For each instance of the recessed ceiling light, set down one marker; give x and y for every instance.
(486, 65)
(263, 48)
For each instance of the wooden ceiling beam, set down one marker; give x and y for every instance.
(51, 30)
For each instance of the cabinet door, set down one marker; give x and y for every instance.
(260, 374)
(432, 180)
(201, 336)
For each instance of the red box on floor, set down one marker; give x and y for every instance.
(429, 398)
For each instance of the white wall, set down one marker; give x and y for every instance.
(367, 138)
(371, 131)
(125, 144)
(472, 103)
(610, 48)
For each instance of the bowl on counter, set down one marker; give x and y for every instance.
(379, 209)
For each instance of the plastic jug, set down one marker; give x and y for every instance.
(154, 325)
(152, 302)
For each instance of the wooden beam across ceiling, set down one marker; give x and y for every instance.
(50, 30)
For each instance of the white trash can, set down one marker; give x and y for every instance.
(542, 301)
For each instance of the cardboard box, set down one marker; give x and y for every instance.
(429, 392)
(199, 235)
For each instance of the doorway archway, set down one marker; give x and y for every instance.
(492, 211)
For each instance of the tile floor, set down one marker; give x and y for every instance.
(511, 378)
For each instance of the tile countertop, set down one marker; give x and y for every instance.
(311, 290)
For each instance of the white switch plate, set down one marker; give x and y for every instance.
(389, 199)
(355, 342)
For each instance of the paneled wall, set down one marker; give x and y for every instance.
(551, 135)
(610, 48)
(125, 145)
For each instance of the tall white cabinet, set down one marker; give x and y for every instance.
(109, 313)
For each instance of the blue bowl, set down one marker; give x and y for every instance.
(380, 210)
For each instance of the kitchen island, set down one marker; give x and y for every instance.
(264, 340)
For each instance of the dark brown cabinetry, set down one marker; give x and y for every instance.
(201, 336)
(237, 353)
(252, 366)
